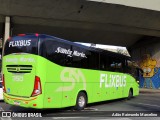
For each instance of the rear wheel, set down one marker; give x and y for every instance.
(81, 101)
(130, 94)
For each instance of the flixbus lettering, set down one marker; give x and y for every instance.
(19, 43)
(112, 80)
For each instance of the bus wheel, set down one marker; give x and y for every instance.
(81, 101)
(130, 94)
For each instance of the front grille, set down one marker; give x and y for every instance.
(19, 68)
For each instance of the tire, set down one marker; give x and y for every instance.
(81, 101)
(130, 94)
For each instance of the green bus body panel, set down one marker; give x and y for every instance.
(19, 84)
(61, 85)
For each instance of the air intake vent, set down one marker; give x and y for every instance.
(19, 68)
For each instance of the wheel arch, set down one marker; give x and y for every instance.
(131, 90)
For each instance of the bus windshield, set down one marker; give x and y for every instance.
(22, 44)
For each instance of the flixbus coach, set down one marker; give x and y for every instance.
(42, 71)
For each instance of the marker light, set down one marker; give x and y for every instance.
(36, 34)
(21, 34)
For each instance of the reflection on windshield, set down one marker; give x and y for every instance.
(21, 45)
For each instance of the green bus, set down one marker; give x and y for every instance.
(42, 71)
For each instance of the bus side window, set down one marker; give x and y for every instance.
(51, 50)
(93, 61)
(116, 64)
(104, 63)
(80, 61)
(131, 68)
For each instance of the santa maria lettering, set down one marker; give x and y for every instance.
(20, 43)
(112, 80)
(22, 59)
(70, 53)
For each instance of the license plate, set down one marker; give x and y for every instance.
(17, 103)
(17, 77)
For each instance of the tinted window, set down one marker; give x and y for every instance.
(80, 57)
(104, 65)
(111, 63)
(131, 69)
(54, 51)
(68, 55)
(116, 64)
(71, 55)
(93, 60)
(25, 44)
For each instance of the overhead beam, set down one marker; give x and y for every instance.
(86, 25)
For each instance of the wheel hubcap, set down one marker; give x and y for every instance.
(81, 101)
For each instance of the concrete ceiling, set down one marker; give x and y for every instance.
(81, 20)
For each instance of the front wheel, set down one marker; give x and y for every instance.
(81, 101)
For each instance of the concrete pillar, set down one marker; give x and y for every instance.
(6, 31)
(6, 36)
(7, 28)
